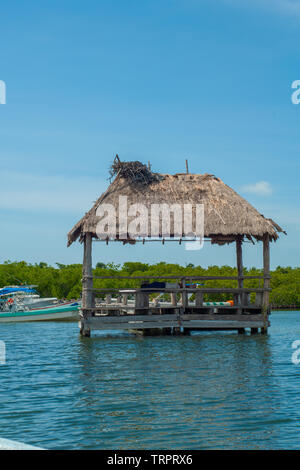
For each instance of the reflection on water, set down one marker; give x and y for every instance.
(211, 390)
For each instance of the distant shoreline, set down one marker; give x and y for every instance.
(64, 281)
(288, 307)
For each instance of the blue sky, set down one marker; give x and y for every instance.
(207, 80)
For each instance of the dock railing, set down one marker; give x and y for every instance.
(140, 308)
(240, 295)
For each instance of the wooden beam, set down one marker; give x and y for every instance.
(189, 278)
(239, 260)
(87, 273)
(266, 268)
(205, 290)
(171, 321)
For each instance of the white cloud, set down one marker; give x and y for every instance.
(29, 192)
(261, 188)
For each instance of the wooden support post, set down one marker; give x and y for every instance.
(87, 274)
(266, 294)
(258, 299)
(174, 298)
(236, 299)
(87, 282)
(246, 299)
(199, 299)
(239, 262)
(184, 294)
(84, 331)
(141, 300)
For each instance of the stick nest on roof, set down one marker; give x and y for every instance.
(134, 171)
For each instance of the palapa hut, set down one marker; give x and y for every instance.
(227, 218)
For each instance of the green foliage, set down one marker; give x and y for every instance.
(64, 281)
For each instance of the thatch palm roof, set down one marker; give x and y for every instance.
(227, 216)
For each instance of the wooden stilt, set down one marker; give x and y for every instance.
(239, 262)
(184, 294)
(199, 299)
(266, 294)
(87, 284)
(85, 331)
(174, 298)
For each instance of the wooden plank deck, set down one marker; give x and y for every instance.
(192, 321)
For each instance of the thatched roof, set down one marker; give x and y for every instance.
(227, 215)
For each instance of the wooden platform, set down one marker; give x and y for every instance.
(189, 321)
(139, 309)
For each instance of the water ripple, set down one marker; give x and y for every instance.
(115, 391)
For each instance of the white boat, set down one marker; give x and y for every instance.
(68, 311)
(13, 307)
(28, 296)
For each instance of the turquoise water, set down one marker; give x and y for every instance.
(212, 390)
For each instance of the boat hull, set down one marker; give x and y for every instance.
(38, 303)
(68, 312)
